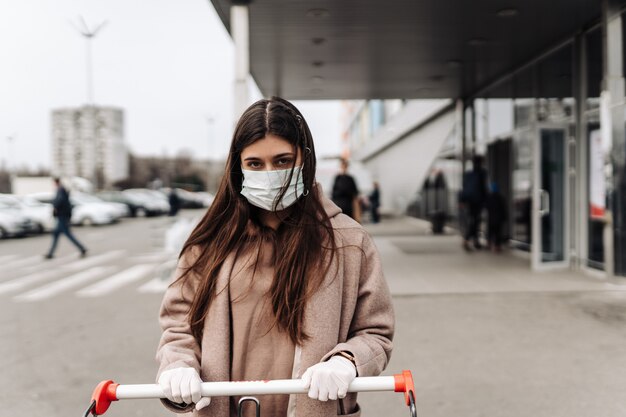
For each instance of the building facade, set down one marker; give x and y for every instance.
(535, 87)
(396, 141)
(88, 142)
(553, 135)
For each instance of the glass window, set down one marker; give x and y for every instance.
(598, 154)
(522, 189)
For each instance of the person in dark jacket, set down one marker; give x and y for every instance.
(345, 192)
(496, 215)
(174, 201)
(63, 213)
(472, 200)
(374, 199)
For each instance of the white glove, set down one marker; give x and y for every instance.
(182, 385)
(330, 379)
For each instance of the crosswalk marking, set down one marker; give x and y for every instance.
(19, 283)
(23, 261)
(155, 285)
(61, 285)
(6, 258)
(94, 260)
(48, 263)
(153, 257)
(116, 281)
(24, 281)
(164, 274)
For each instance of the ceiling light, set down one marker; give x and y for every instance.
(317, 13)
(510, 12)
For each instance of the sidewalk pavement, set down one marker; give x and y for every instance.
(486, 336)
(417, 262)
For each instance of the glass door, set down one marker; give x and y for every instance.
(549, 214)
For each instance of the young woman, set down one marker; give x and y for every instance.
(274, 283)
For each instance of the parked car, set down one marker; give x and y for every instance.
(85, 212)
(120, 210)
(187, 199)
(13, 222)
(206, 198)
(39, 213)
(119, 197)
(148, 202)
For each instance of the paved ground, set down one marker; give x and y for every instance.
(482, 334)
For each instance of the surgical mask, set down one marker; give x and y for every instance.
(261, 188)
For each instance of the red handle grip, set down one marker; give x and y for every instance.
(103, 394)
(404, 383)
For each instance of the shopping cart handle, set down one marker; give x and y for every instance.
(108, 391)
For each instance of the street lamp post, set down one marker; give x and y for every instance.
(90, 112)
(88, 34)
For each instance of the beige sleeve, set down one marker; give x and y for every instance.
(371, 331)
(177, 347)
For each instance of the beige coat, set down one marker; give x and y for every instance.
(352, 311)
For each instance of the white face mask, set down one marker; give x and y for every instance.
(261, 188)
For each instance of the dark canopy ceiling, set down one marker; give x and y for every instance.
(356, 49)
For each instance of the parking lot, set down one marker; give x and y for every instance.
(33, 214)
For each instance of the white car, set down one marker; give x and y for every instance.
(121, 210)
(39, 213)
(148, 202)
(206, 198)
(13, 222)
(84, 212)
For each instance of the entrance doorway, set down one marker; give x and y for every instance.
(500, 170)
(549, 214)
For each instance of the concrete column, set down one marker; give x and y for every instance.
(239, 28)
(472, 108)
(460, 109)
(580, 184)
(612, 111)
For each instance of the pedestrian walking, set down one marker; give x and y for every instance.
(174, 201)
(436, 200)
(496, 217)
(62, 210)
(374, 203)
(345, 192)
(274, 283)
(472, 200)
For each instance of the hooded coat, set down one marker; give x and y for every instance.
(352, 311)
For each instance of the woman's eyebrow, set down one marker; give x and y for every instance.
(281, 155)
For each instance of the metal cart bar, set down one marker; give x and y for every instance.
(108, 391)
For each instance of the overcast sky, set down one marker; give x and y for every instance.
(167, 63)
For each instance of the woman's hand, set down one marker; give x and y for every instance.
(329, 380)
(182, 385)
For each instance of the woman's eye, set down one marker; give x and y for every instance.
(284, 161)
(254, 164)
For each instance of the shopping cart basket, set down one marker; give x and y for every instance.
(108, 391)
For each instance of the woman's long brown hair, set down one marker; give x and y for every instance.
(304, 243)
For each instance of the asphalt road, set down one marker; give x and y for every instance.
(68, 323)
